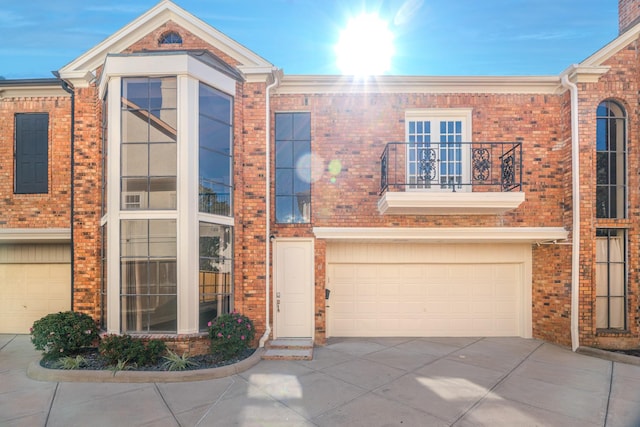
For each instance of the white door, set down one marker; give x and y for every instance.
(427, 290)
(293, 288)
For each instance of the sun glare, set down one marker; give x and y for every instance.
(365, 46)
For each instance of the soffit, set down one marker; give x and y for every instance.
(81, 70)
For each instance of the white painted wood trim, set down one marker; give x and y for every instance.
(448, 203)
(444, 234)
(35, 235)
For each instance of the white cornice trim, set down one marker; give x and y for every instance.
(579, 73)
(449, 203)
(33, 91)
(152, 19)
(444, 234)
(293, 84)
(35, 235)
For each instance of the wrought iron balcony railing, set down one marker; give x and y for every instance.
(451, 166)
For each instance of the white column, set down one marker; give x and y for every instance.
(188, 307)
(113, 207)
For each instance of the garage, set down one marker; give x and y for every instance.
(35, 280)
(429, 290)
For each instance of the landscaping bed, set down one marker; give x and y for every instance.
(93, 361)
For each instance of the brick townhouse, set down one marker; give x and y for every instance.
(169, 174)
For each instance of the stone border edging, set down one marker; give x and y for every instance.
(609, 355)
(37, 372)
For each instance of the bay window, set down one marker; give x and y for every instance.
(169, 265)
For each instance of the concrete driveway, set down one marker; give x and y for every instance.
(350, 382)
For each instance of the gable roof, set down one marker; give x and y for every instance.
(80, 72)
(592, 68)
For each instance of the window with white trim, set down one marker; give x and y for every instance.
(437, 159)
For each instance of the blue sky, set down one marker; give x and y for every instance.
(432, 37)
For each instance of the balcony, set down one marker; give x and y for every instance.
(450, 178)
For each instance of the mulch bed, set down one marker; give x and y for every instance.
(96, 362)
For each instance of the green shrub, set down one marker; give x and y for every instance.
(63, 334)
(230, 334)
(126, 349)
(155, 350)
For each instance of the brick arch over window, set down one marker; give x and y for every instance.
(170, 37)
(611, 160)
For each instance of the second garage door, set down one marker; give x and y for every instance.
(35, 280)
(428, 290)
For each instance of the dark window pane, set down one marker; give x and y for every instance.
(284, 209)
(284, 181)
(135, 93)
(301, 126)
(602, 168)
(215, 135)
(215, 167)
(284, 127)
(215, 104)
(32, 153)
(284, 154)
(302, 181)
(293, 168)
(602, 202)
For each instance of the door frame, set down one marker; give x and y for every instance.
(278, 243)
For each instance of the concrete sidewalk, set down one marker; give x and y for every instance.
(350, 382)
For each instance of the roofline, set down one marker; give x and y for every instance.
(30, 88)
(49, 81)
(292, 84)
(80, 69)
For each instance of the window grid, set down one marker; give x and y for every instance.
(611, 279)
(293, 168)
(611, 173)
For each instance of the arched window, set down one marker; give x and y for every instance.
(611, 160)
(171, 38)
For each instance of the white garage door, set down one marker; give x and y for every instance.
(34, 281)
(428, 290)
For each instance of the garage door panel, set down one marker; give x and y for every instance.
(30, 291)
(428, 298)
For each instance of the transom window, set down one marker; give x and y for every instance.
(611, 152)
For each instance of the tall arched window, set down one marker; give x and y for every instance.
(611, 160)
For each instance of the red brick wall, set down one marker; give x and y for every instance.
(354, 129)
(189, 41)
(619, 84)
(50, 210)
(87, 197)
(628, 14)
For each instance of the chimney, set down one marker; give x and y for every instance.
(628, 14)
